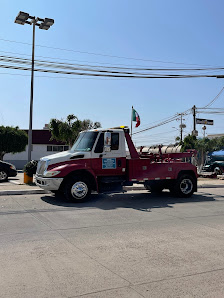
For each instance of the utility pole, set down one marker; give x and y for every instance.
(31, 95)
(22, 19)
(131, 119)
(194, 117)
(194, 132)
(181, 127)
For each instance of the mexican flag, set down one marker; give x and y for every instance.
(135, 117)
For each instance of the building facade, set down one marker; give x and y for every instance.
(41, 146)
(217, 135)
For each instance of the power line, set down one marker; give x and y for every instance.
(95, 70)
(86, 61)
(217, 96)
(103, 55)
(158, 121)
(163, 122)
(47, 62)
(59, 77)
(99, 63)
(210, 108)
(160, 124)
(218, 112)
(104, 73)
(154, 136)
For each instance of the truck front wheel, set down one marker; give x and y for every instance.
(184, 186)
(77, 189)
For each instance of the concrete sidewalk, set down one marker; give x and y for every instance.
(16, 186)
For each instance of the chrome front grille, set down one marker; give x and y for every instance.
(41, 167)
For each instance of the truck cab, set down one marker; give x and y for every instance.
(98, 156)
(98, 162)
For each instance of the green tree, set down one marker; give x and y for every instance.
(189, 142)
(202, 146)
(12, 140)
(205, 144)
(68, 130)
(220, 143)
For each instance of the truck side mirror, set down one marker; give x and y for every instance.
(107, 141)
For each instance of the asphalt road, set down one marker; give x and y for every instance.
(127, 245)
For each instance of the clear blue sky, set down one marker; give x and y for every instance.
(178, 31)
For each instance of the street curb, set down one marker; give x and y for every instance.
(22, 192)
(199, 186)
(42, 191)
(211, 186)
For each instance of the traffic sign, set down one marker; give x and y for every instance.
(204, 121)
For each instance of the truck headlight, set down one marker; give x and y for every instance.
(51, 173)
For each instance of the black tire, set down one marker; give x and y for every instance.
(184, 186)
(3, 176)
(77, 190)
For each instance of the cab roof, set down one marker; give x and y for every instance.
(119, 128)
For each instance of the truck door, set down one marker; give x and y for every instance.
(109, 163)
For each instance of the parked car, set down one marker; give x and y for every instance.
(7, 170)
(215, 162)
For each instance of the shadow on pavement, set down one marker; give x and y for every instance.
(143, 202)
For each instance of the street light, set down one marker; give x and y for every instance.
(21, 19)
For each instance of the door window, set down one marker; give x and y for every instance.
(100, 144)
(114, 142)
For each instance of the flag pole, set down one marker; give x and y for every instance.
(131, 119)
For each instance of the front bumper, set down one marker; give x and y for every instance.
(12, 173)
(48, 183)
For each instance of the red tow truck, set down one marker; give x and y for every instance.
(98, 161)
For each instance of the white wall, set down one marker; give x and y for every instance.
(20, 159)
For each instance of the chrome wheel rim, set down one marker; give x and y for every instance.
(186, 186)
(79, 190)
(217, 171)
(3, 175)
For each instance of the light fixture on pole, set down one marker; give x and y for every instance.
(22, 19)
(204, 128)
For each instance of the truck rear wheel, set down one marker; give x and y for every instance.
(184, 186)
(77, 189)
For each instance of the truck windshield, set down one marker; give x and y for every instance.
(85, 141)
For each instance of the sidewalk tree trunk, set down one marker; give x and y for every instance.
(12, 140)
